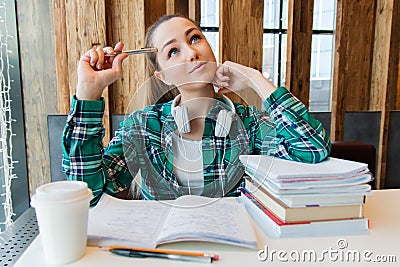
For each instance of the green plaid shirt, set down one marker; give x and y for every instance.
(144, 142)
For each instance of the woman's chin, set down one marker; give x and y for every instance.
(197, 85)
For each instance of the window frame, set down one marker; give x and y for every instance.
(280, 31)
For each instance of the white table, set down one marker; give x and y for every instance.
(383, 241)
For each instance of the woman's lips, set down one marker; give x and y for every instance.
(197, 66)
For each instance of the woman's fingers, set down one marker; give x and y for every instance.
(100, 60)
(108, 50)
(232, 76)
(91, 57)
(96, 71)
(221, 70)
(222, 76)
(97, 59)
(107, 59)
(119, 46)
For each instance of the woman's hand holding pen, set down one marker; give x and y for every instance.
(95, 71)
(231, 76)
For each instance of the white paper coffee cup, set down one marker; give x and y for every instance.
(62, 210)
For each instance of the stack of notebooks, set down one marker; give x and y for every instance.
(294, 199)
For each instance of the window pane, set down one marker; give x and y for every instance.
(271, 14)
(213, 40)
(321, 56)
(209, 10)
(270, 51)
(283, 60)
(321, 72)
(324, 15)
(284, 14)
(320, 95)
(271, 58)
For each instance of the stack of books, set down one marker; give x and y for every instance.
(295, 199)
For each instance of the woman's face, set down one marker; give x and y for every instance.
(183, 54)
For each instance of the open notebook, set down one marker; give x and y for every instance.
(140, 223)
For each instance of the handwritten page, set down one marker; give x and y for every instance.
(140, 223)
(125, 222)
(199, 218)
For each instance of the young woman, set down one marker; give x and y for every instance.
(190, 145)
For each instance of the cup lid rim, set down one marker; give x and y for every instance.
(61, 191)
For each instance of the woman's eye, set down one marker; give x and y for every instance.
(172, 52)
(195, 38)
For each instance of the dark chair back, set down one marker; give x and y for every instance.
(356, 151)
(56, 124)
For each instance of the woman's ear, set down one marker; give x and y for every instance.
(161, 77)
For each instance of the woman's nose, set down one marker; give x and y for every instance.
(191, 54)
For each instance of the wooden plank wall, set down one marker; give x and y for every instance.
(366, 66)
(353, 49)
(241, 39)
(61, 54)
(338, 81)
(116, 21)
(127, 23)
(68, 28)
(298, 56)
(38, 83)
(86, 29)
(385, 73)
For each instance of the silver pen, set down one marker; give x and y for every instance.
(134, 52)
(147, 253)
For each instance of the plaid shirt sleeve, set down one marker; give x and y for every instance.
(299, 136)
(285, 129)
(84, 158)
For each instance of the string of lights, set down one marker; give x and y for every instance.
(6, 131)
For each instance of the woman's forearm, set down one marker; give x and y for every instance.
(261, 85)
